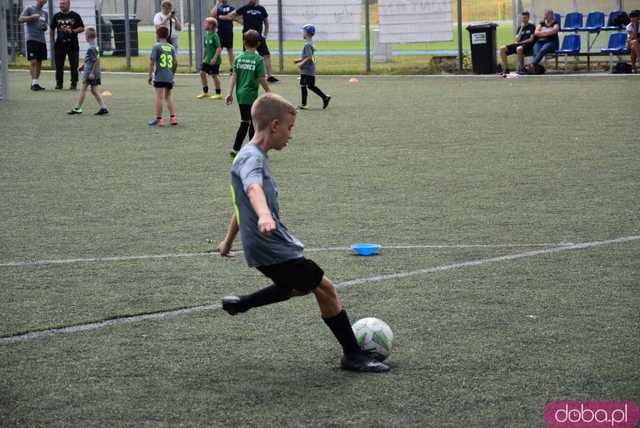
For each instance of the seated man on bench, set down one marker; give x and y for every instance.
(523, 45)
(633, 38)
(546, 38)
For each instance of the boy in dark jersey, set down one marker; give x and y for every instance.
(163, 63)
(225, 28)
(248, 73)
(268, 244)
(211, 59)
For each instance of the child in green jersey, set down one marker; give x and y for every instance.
(248, 74)
(211, 59)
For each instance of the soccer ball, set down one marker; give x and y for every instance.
(374, 337)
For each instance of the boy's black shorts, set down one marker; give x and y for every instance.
(36, 50)
(296, 274)
(528, 49)
(210, 69)
(226, 39)
(306, 80)
(92, 82)
(167, 85)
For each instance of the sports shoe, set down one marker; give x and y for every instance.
(37, 87)
(173, 120)
(325, 102)
(156, 122)
(215, 97)
(233, 154)
(231, 304)
(272, 79)
(73, 87)
(75, 110)
(362, 363)
(101, 112)
(301, 107)
(203, 95)
(58, 87)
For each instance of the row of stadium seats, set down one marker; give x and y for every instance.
(571, 47)
(595, 22)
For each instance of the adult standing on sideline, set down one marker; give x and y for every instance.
(255, 17)
(225, 28)
(167, 18)
(67, 24)
(37, 23)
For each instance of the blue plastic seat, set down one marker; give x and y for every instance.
(617, 44)
(612, 17)
(570, 45)
(595, 22)
(572, 21)
(556, 16)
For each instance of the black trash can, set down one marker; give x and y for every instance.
(118, 36)
(483, 48)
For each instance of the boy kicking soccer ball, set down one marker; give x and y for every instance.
(248, 73)
(90, 75)
(211, 59)
(268, 245)
(163, 63)
(307, 67)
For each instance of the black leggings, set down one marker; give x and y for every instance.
(245, 125)
(309, 82)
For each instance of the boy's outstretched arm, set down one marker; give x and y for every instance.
(224, 248)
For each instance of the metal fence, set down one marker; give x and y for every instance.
(126, 32)
(4, 55)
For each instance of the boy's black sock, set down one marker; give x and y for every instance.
(240, 135)
(341, 329)
(218, 91)
(172, 115)
(305, 94)
(205, 89)
(266, 296)
(251, 131)
(318, 92)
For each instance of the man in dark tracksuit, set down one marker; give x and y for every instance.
(67, 24)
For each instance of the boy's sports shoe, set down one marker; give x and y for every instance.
(173, 120)
(361, 362)
(75, 110)
(233, 154)
(216, 97)
(156, 122)
(231, 305)
(101, 112)
(325, 102)
(272, 79)
(301, 107)
(203, 95)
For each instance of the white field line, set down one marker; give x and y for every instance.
(168, 314)
(213, 253)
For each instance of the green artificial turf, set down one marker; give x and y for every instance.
(394, 160)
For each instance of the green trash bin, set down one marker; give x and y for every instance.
(483, 48)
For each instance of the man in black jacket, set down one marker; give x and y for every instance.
(66, 24)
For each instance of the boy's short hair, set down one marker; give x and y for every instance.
(90, 33)
(212, 20)
(526, 12)
(270, 107)
(166, 3)
(634, 13)
(162, 33)
(251, 39)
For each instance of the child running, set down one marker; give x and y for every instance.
(248, 74)
(307, 67)
(90, 75)
(163, 63)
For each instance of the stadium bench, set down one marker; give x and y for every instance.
(617, 46)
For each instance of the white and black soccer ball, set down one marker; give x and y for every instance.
(374, 337)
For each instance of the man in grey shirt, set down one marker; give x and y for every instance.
(307, 65)
(37, 23)
(268, 245)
